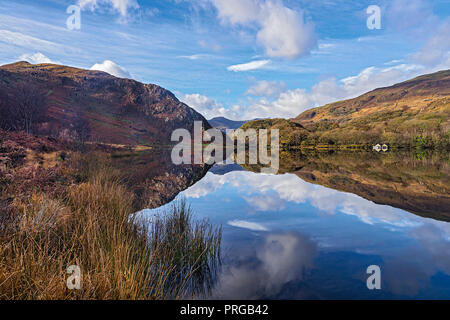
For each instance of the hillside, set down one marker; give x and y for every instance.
(106, 108)
(412, 113)
(223, 123)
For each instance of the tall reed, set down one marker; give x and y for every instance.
(92, 226)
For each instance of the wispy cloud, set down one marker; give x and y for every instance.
(258, 64)
(121, 6)
(265, 88)
(200, 56)
(29, 42)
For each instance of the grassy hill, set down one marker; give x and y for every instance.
(415, 113)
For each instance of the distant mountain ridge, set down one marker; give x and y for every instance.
(119, 111)
(223, 123)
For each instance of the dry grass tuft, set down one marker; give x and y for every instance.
(90, 226)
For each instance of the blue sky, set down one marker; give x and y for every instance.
(238, 58)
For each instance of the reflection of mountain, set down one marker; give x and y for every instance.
(155, 180)
(222, 169)
(418, 186)
(266, 211)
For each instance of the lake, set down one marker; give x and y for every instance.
(311, 231)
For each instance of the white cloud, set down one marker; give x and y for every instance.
(199, 56)
(258, 64)
(434, 56)
(266, 89)
(35, 58)
(121, 6)
(288, 104)
(282, 32)
(247, 225)
(112, 68)
(293, 102)
(209, 108)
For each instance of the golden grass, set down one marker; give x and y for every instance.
(91, 226)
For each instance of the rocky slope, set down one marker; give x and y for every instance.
(118, 111)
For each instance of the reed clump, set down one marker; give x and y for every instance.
(92, 226)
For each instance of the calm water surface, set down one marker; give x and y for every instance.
(286, 238)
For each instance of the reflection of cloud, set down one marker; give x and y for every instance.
(267, 202)
(411, 272)
(269, 192)
(279, 259)
(247, 225)
(405, 275)
(207, 185)
(406, 271)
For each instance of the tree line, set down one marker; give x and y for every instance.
(22, 108)
(25, 106)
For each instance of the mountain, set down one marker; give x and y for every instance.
(223, 123)
(411, 113)
(109, 109)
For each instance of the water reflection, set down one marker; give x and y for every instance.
(262, 271)
(153, 178)
(312, 231)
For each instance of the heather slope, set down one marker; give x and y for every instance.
(120, 111)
